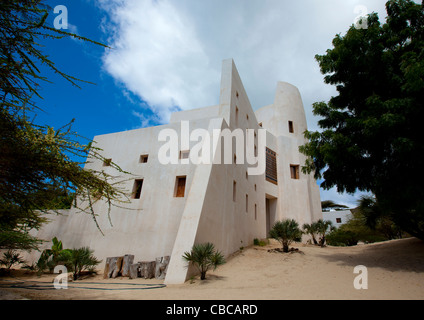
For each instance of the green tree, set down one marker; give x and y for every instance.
(371, 132)
(286, 231)
(204, 257)
(36, 161)
(330, 204)
(375, 218)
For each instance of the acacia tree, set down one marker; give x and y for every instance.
(35, 160)
(371, 132)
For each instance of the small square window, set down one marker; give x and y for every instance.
(180, 184)
(107, 162)
(143, 158)
(338, 220)
(260, 124)
(138, 185)
(184, 154)
(294, 171)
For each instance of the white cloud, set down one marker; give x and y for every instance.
(350, 200)
(169, 52)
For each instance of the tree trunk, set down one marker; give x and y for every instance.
(126, 263)
(147, 269)
(285, 247)
(161, 267)
(134, 271)
(202, 275)
(113, 267)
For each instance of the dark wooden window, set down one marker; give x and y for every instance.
(180, 184)
(338, 220)
(184, 154)
(143, 158)
(291, 128)
(271, 166)
(294, 171)
(138, 185)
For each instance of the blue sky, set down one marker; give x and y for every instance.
(166, 55)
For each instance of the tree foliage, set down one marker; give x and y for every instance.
(371, 137)
(37, 162)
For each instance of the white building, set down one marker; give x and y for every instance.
(174, 206)
(337, 217)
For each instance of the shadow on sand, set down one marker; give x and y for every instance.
(395, 255)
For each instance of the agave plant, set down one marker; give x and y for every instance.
(204, 256)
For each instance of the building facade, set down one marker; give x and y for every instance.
(178, 204)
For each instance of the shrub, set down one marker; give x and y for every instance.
(340, 237)
(204, 256)
(286, 231)
(10, 258)
(82, 259)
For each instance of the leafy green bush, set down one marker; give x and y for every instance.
(342, 238)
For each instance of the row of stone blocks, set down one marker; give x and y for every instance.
(125, 266)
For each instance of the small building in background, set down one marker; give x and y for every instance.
(337, 217)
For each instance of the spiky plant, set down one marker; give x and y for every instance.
(204, 257)
(286, 231)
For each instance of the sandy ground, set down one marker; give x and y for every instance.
(395, 271)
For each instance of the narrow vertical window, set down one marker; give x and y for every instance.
(294, 171)
(234, 190)
(180, 184)
(291, 129)
(237, 111)
(271, 166)
(138, 185)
